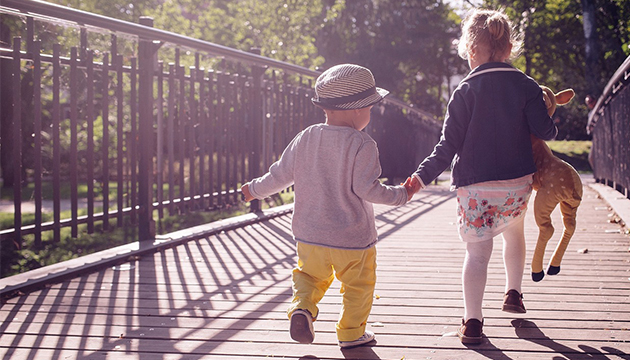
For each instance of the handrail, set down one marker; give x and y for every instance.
(620, 76)
(607, 123)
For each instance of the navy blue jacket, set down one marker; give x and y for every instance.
(486, 131)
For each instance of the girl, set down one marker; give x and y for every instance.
(486, 136)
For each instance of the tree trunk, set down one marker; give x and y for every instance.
(592, 51)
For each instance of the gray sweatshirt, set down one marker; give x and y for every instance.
(335, 171)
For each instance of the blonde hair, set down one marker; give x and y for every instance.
(490, 30)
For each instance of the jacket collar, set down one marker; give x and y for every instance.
(490, 67)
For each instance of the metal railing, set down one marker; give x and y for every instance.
(141, 122)
(609, 125)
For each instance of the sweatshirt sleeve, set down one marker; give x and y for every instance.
(365, 179)
(279, 176)
(454, 130)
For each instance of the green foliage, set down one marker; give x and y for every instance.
(407, 45)
(283, 30)
(28, 191)
(571, 148)
(17, 258)
(120, 9)
(6, 219)
(573, 152)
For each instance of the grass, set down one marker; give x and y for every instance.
(18, 258)
(573, 152)
(28, 191)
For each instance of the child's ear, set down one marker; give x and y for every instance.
(472, 52)
(564, 96)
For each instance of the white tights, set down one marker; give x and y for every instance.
(475, 269)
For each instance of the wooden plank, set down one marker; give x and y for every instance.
(259, 294)
(253, 328)
(243, 303)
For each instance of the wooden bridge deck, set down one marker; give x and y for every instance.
(224, 297)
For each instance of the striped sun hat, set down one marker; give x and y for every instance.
(347, 87)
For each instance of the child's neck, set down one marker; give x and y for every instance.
(340, 118)
(338, 122)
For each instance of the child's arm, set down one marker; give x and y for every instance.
(365, 179)
(279, 177)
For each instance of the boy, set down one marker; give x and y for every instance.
(334, 168)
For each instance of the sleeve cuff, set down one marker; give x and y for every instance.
(422, 185)
(253, 192)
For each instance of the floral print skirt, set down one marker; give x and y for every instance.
(485, 210)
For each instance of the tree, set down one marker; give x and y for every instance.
(283, 30)
(613, 37)
(407, 45)
(591, 48)
(126, 10)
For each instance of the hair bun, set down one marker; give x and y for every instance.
(495, 26)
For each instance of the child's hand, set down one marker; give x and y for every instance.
(247, 196)
(548, 103)
(412, 186)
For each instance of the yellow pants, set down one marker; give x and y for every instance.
(356, 269)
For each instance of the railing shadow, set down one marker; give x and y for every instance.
(229, 279)
(489, 350)
(395, 218)
(361, 353)
(357, 353)
(233, 262)
(528, 330)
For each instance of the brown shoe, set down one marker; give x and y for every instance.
(513, 302)
(471, 331)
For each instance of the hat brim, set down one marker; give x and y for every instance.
(370, 100)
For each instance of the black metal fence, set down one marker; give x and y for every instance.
(609, 123)
(140, 122)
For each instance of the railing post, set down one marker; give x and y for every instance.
(257, 125)
(17, 139)
(146, 61)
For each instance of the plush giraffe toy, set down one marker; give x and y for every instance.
(556, 182)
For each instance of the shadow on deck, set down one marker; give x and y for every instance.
(223, 295)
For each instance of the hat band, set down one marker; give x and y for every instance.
(347, 99)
